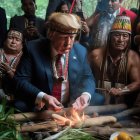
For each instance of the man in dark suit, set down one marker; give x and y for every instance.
(3, 26)
(32, 25)
(37, 75)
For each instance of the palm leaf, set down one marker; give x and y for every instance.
(8, 125)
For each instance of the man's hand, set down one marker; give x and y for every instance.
(115, 91)
(7, 69)
(52, 102)
(4, 67)
(81, 102)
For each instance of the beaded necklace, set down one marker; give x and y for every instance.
(64, 70)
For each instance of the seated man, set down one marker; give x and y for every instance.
(9, 57)
(55, 71)
(29, 23)
(116, 67)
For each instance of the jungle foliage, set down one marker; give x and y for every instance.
(13, 7)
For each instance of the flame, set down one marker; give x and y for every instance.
(72, 120)
(75, 116)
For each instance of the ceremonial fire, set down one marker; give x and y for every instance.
(77, 121)
(71, 120)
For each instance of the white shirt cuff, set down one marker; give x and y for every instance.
(38, 101)
(87, 93)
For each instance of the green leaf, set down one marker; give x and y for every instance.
(10, 111)
(5, 134)
(1, 106)
(136, 138)
(7, 125)
(76, 134)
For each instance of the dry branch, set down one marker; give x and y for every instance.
(96, 121)
(105, 109)
(127, 113)
(51, 125)
(34, 115)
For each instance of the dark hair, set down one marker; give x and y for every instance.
(58, 8)
(15, 29)
(22, 1)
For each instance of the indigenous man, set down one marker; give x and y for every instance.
(9, 57)
(100, 24)
(116, 67)
(55, 71)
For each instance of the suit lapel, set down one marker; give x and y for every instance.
(46, 59)
(48, 68)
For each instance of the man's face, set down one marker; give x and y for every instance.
(62, 43)
(64, 8)
(14, 41)
(113, 5)
(119, 40)
(29, 7)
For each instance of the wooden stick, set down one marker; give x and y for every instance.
(123, 91)
(127, 113)
(51, 125)
(95, 121)
(48, 113)
(105, 109)
(101, 89)
(23, 116)
(134, 123)
(35, 115)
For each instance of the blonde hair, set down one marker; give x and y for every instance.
(64, 23)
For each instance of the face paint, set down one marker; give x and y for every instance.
(15, 34)
(13, 42)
